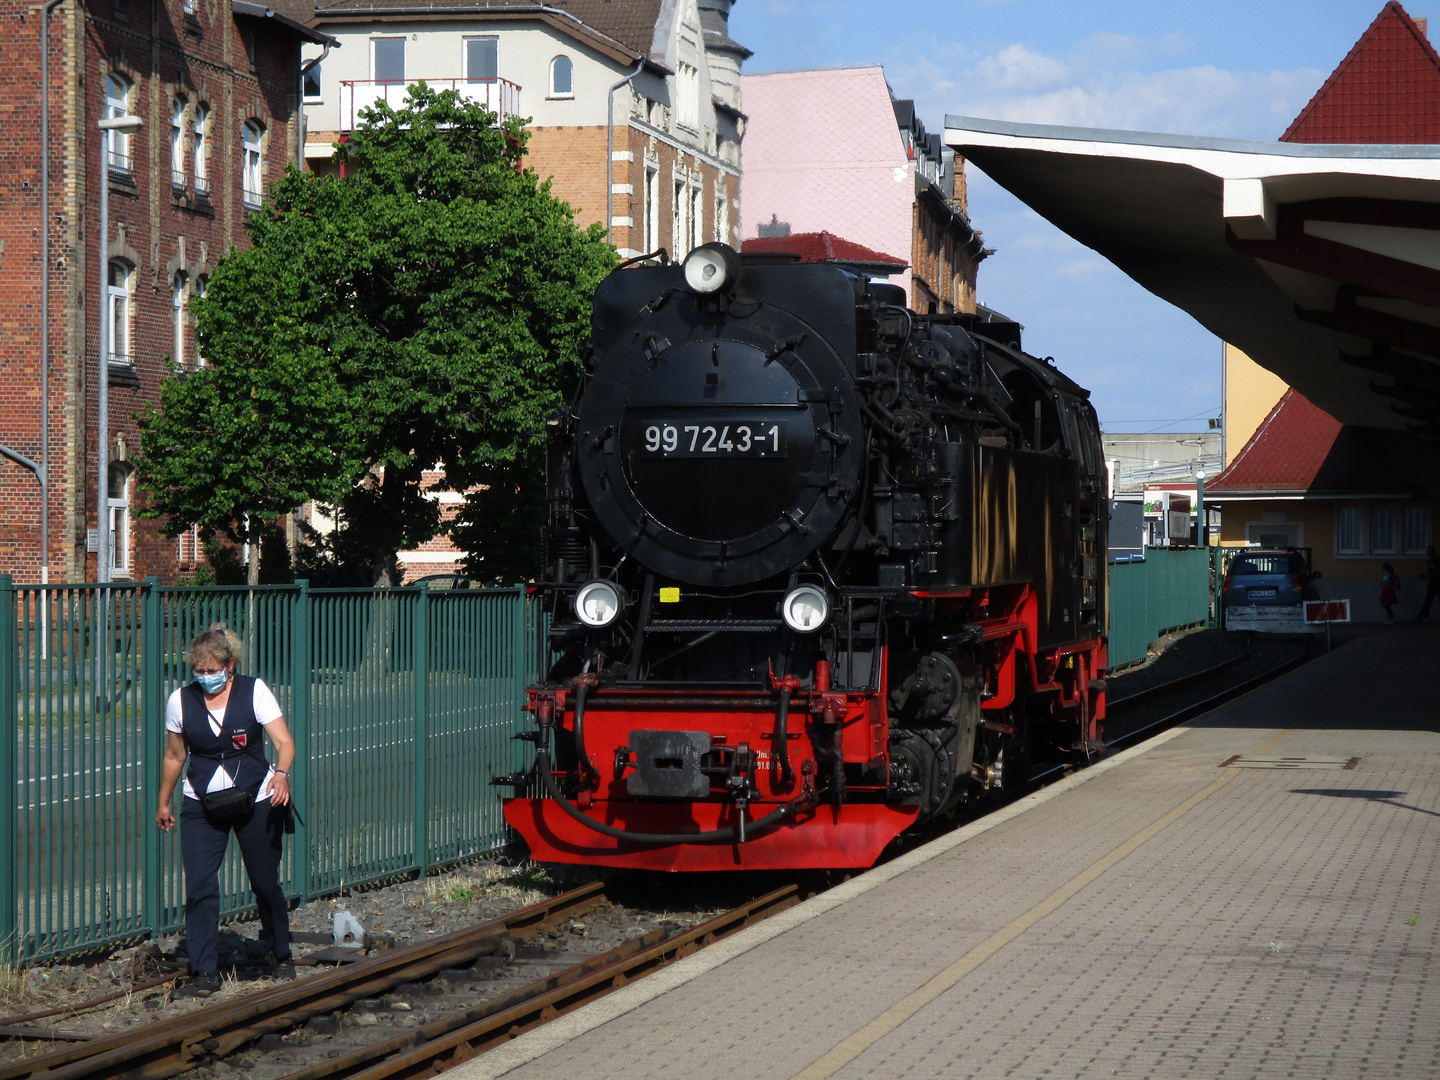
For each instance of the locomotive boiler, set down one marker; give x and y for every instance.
(820, 569)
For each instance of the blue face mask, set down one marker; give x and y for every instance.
(212, 683)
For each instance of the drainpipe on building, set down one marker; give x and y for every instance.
(305, 70)
(42, 472)
(610, 144)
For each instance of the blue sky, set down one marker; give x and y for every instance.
(1222, 68)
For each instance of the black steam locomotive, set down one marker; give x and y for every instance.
(820, 569)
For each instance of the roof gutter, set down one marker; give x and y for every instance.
(360, 13)
(260, 11)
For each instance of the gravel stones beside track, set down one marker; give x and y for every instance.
(401, 913)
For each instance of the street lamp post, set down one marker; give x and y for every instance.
(102, 421)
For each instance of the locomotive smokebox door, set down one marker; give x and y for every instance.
(667, 765)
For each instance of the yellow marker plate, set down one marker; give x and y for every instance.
(669, 596)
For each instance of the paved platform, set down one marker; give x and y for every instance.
(1160, 915)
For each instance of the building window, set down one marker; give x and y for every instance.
(697, 217)
(202, 284)
(722, 219)
(120, 9)
(677, 221)
(187, 551)
(562, 77)
(118, 292)
(1349, 530)
(387, 58)
(202, 150)
(177, 143)
(179, 290)
(118, 507)
(687, 90)
(312, 82)
(188, 6)
(652, 208)
(117, 143)
(252, 49)
(1382, 530)
(251, 168)
(1417, 531)
(482, 59)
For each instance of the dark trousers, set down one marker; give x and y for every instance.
(1432, 588)
(202, 847)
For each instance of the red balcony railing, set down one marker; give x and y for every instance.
(500, 96)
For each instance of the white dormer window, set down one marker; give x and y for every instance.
(687, 93)
(562, 77)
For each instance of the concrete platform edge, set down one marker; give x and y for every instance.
(537, 1043)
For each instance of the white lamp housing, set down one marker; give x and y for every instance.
(598, 604)
(805, 609)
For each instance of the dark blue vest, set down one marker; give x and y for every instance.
(240, 744)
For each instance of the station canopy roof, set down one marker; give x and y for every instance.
(1320, 261)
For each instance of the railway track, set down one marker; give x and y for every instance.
(171, 1048)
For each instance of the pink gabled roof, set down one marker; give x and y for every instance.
(1300, 450)
(827, 247)
(823, 153)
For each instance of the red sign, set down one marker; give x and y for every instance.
(1323, 611)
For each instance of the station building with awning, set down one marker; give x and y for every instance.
(1318, 258)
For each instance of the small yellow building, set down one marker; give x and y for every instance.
(1305, 480)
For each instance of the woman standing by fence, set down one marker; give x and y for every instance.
(217, 720)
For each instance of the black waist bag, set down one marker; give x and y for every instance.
(227, 806)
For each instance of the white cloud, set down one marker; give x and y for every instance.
(1107, 80)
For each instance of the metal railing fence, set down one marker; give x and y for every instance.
(401, 702)
(1167, 590)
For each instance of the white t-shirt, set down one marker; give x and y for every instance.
(267, 711)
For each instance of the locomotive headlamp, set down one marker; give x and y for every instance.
(711, 268)
(598, 604)
(805, 609)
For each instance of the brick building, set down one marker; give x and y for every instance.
(665, 73)
(216, 86)
(832, 151)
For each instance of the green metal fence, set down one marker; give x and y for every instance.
(401, 701)
(1167, 590)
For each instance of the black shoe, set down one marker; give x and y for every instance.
(284, 969)
(201, 985)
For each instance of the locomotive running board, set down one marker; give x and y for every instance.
(821, 839)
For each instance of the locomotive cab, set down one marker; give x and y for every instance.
(821, 570)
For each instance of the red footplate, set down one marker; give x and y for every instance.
(821, 839)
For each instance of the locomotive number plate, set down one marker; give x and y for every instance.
(743, 438)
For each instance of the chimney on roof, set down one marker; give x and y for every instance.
(775, 227)
(1424, 24)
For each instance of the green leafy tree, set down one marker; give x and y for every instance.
(429, 309)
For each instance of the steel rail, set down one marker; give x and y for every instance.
(171, 1047)
(450, 1040)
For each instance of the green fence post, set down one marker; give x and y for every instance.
(420, 664)
(9, 747)
(300, 679)
(521, 647)
(152, 737)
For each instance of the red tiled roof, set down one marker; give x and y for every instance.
(827, 247)
(1299, 450)
(1387, 90)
